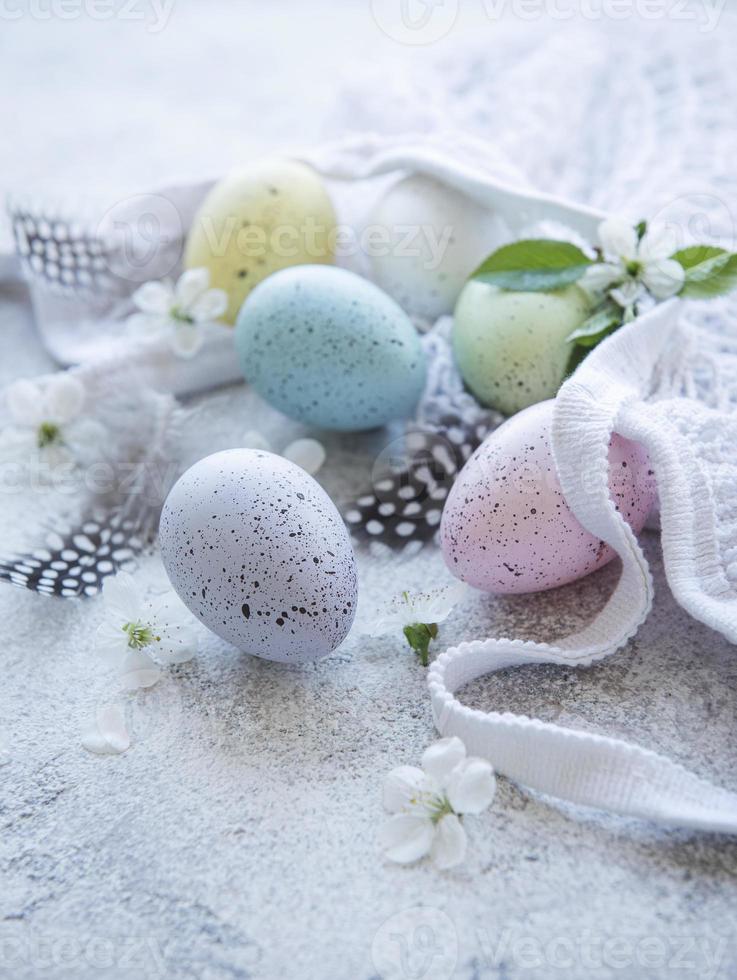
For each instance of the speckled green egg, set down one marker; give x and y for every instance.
(330, 349)
(511, 347)
(266, 217)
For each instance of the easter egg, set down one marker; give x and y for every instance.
(266, 217)
(506, 526)
(511, 347)
(330, 349)
(256, 549)
(427, 239)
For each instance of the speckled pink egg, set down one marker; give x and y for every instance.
(506, 527)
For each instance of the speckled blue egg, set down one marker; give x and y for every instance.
(257, 551)
(330, 349)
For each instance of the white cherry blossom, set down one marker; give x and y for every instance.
(634, 266)
(417, 615)
(48, 420)
(178, 312)
(427, 804)
(139, 633)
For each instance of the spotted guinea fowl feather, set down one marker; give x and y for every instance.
(402, 507)
(405, 501)
(63, 255)
(74, 562)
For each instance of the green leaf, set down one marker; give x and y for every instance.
(641, 228)
(604, 320)
(597, 326)
(710, 271)
(533, 266)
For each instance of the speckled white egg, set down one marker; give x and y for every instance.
(257, 551)
(506, 526)
(427, 239)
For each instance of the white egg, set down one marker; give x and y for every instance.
(258, 552)
(427, 239)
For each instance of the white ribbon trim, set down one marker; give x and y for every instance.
(585, 768)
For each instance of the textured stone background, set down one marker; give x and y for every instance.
(237, 837)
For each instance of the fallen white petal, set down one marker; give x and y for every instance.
(138, 671)
(307, 453)
(405, 838)
(449, 843)
(108, 734)
(471, 786)
(441, 758)
(192, 284)
(400, 786)
(154, 297)
(254, 440)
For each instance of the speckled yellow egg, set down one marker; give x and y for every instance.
(269, 216)
(511, 347)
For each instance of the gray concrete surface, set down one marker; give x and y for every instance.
(237, 837)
